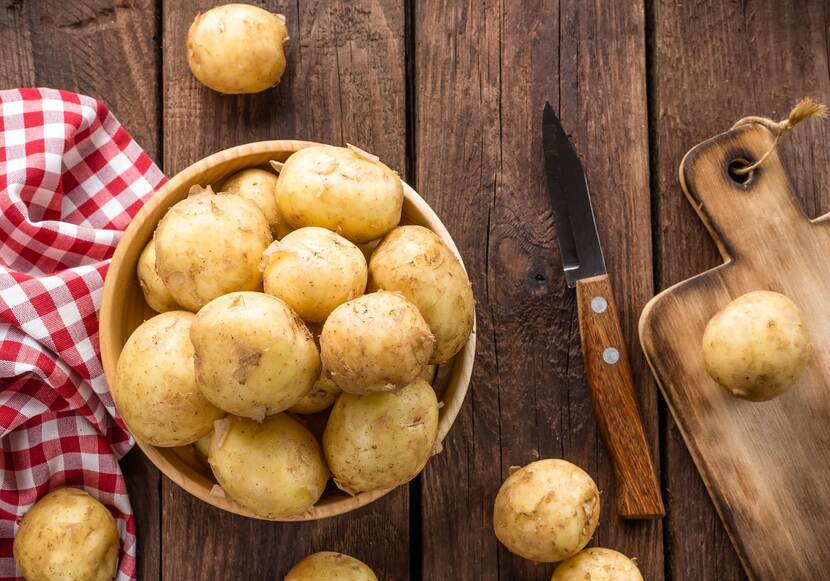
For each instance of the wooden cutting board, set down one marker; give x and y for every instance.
(766, 465)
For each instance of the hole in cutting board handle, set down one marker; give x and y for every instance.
(739, 178)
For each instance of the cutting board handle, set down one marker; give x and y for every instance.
(762, 198)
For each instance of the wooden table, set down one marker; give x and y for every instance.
(449, 93)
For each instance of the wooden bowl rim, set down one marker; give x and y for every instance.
(462, 362)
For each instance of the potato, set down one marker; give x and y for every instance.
(202, 445)
(330, 566)
(377, 342)
(428, 373)
(254, 356)
(343, 189)
(413, 261)
(597, 564)
(155, 388)
(208, 245)
(757, 345)
(274, 468)
(381, 440)
(67, 535)
(155, 293)
(322, 396)
(258, 186)
(546, 511)
(237, 48)
(314, 271)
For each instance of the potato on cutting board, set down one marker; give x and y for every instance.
(757, 345)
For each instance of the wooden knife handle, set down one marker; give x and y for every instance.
(612, 391)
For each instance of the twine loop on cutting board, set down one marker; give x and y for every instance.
(807, 108)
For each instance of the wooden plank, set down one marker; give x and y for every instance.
(483, 70)
(752, 58)
(344, 83)
(74, 46)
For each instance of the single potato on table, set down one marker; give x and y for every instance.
(597, 564)
(381, 440)
(155, 293)
(258, 186)
(67, 535)
(330, 566)
(757, 345)
(413, 261)
(345, 190)
(155, 389)
(273, 468)
(314, 271)
(377, 342)
(237, 48)
(208, 245)
(254, 356)
(546, 511)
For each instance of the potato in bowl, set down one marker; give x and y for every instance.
(124, 309)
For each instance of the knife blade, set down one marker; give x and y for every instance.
(607, 370)
(573, 214)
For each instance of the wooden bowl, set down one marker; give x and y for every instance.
(123, 309)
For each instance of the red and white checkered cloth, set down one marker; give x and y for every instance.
(71, 179)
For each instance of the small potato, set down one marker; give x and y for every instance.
(254, 356)
(202, 445)
(343, 189)
(378, 342)
(314, 271)
(322, 396)
(258, 186)
(757, 345)
(413, 261)
(155, 293)
(381, 440)
(67, 535)
(274, 468)
(428, 373)
(208, 245)
(330, 566)
(597, 564)
(155, 389)
(546, 511)
(237, 48)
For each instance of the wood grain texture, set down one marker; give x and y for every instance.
(344, 83)
(73, 45)
(765, 465)
(483, 70)
(753, 57)
(608, 375)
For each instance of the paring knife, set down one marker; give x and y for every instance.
(606, 361)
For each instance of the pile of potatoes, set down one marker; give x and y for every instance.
(282, 296)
